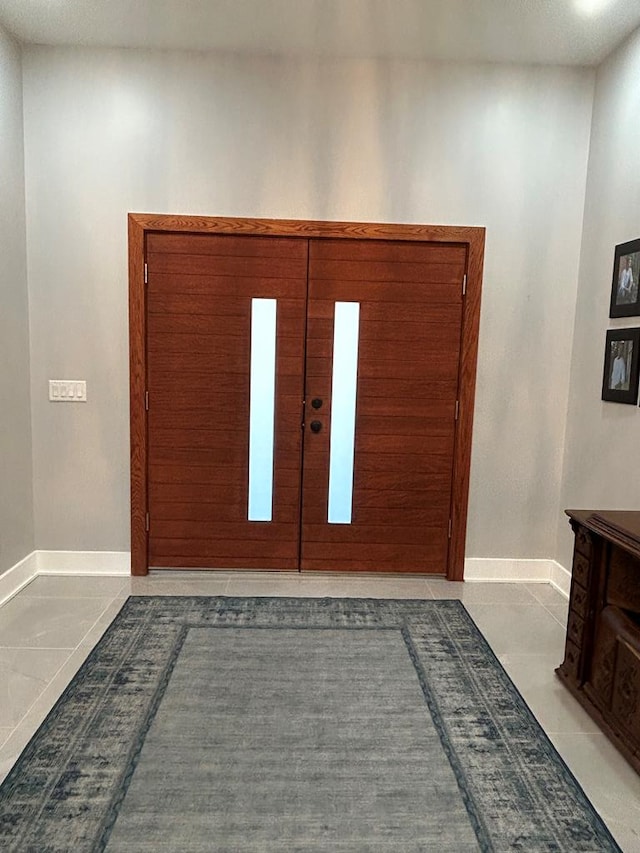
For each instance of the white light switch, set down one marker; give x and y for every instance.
(68, 390)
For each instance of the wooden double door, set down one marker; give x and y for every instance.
(218, 393)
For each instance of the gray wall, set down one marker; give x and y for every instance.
(111, 131)
(603, 439)
(16, 501)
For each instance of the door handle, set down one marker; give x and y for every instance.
(316, 426)
(316, 402)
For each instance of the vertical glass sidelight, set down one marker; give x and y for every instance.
(262, 409)
(344, 383)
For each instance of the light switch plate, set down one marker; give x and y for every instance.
(67, 390)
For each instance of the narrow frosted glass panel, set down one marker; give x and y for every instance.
(343, 411)
(262, 408)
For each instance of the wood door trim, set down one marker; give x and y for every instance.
(137, 408)
(307, 228)
(139, 224)
(466, 397)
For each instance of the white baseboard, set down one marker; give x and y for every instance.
(119, 563)
(491, 570)
(17, 577)
(83, 562)
(560, 578)
(488, 569)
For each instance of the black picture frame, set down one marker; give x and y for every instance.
(625, 284)
(620, 379)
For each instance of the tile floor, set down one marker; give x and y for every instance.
(48, 629)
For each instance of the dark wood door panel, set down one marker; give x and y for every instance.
(375, 368)
(384, 470)
(216, 513)
(215, 529)
(227, 325)
(392, 330)
(427, 465)
(208, 549)
(386, 455)
(335, 554)
(232, 267)
(338, 272)
(207, 563)
(176, 419)
(215, 347)
(166, 381)
(365, 535)
(403, 452)
(419, 493)
(442, 343)
(223, 245)
(220, 459)
(214, 476)
(288, 417)
(211, 439)
(439, 444)
(387, 251)
(389, 311)
(412, 388)
(232, 493)
(218, 309)
(436, 508)
(387, 291)
(227, 285)
(399, 407)
(198, 374)
(420, 564)
(431, 516)
(197, 362)
(206, 398)
(427, 427)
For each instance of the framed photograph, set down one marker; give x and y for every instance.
(625, 299)
(621, 361)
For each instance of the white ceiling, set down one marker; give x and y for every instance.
(568, 32)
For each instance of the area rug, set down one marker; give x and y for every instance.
(280, 724)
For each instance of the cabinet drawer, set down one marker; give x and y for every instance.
(571, 663)
(579, 600)
(581, 569)
(575, 628)
(583, 542)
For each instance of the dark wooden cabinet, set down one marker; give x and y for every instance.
(601, 666)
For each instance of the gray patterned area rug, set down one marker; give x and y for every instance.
(255, 725)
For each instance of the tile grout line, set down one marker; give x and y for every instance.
(39, 648)
(39, 696)
(88, 631)
(562, 623)
(50, 681)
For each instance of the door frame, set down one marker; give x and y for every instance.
(140, 224)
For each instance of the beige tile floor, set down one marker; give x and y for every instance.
(48, 629)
